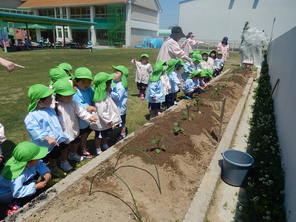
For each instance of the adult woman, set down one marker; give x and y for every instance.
(171, 49)
(190, 44)
(223, 47)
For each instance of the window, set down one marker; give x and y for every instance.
(57, 10)
(64, 13)
(60, 34)
(82, 12)
(101, 11)
(66, 33)
(46, 12)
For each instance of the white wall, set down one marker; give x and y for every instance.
(138, 35)
(212, 19)
(282, 65)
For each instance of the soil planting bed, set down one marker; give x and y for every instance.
(181, 162)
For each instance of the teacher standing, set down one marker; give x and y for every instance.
(171, 48)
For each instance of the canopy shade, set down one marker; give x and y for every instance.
(42, 20)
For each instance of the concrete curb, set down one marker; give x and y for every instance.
(202, 198)
(40, 201)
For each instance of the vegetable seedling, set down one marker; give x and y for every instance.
(177, 128)
(158, 148)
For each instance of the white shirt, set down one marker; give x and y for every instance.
(143, 72)
(166, 84)
(2, 135)
(107, 112)
(190, 45)
(170, 49)
(68, 114)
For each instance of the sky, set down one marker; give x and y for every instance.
(169, 14)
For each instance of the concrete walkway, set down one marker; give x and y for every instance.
(225, 202)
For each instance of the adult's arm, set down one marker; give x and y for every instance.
(10, 66)
(177, 52)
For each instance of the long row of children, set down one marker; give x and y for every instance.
(62, 116)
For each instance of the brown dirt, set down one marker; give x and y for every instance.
(181, 167)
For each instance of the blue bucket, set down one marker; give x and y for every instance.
(235, 167)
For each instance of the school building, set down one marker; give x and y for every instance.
(118, 22)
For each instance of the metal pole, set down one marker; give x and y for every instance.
(54, 36)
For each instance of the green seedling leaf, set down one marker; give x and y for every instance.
(176, 124)
(163, 147)
(157, 151)
(155, 141)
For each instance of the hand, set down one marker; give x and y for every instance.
(154, 97)
(47, 177)
(1, 158)
(40, 185)
(133, 61)
(192, 64)
(111, 124)
(51, 141)
(93, 119)
(91, 109)
(10, 66)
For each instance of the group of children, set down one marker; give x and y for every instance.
(62, 115)
(161, 84)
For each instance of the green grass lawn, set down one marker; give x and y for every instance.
(14, 86)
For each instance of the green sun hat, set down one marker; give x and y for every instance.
(66, 66)
(195, 73)
(171, 65)
(207, 73)
(158, 69)
(57, 73)
(144, 55)
(124, 72)
(181, 61)
(83, 73)
(197, 57)
(35, 93)
(22, 154)
(63, 87)
(100, 86)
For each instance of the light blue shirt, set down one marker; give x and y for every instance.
(174, 81)
(219, 63)
(155, 89)
(44, 122)
(196, 83)
(119, 95)
(10, 189)
(189, 86)
(84, 99)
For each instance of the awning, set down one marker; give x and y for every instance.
(42, 20)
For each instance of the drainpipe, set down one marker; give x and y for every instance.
(128, 24)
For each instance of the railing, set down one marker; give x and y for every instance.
(18, 11)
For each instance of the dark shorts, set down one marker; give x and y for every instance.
(56, 151)
(142, 86)
(154, 106)
(85, 130)
(104, 134)
(123, 119)
(76, 141)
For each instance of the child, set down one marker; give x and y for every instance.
(192, 84)
(109, 116)
(206, 63)
(154, 94)
(55, 74)
(69, 113)
(44, 127)
(2, 139)
(166, 88)
(219, 64)
(17, 177)
(67, 68)
(119, 95)
(143, 72)
(175, 68)
(196, 59)
(84, 95)
(223, 47)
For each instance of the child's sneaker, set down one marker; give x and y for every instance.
(75, 157)
(99, 151)
(65, 166)
(86, 155)
(12, 209)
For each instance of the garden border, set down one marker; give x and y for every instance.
(199, 206)
(62, 185)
